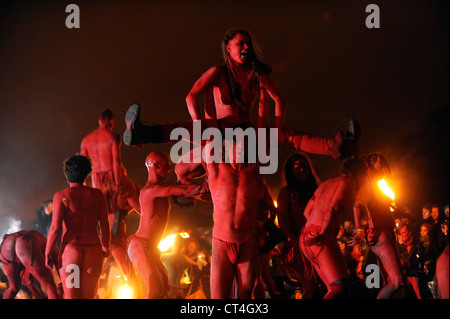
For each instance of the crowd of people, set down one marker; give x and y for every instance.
(315, 243)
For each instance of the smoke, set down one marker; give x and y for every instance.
(420, 162)
(12, 225)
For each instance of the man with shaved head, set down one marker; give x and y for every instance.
(143, 248)
(102, 147)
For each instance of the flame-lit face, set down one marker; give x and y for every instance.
(426, 213)
(435, 213)
(424, 231)
(300, 170)
(48, 209)
(238, 48)
(405, 234)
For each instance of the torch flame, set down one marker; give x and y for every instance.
(388, 192)
(124, 292)
(168, 242)
(386, 189)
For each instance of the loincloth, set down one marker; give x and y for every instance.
(238, 252)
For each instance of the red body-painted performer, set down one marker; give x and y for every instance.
(23, 259)
(143, 248)
(79, 212)
(102, 147)
(318, 243)
(230, 92)
(372, 204)
(127, 200)
(236, 190)
(302, 182)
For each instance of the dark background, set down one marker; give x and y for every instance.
(328, 65)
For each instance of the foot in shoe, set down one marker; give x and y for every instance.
(132, 122)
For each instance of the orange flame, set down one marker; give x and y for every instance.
(386, 189)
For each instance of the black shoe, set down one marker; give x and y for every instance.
(133, 124)
(183, 201)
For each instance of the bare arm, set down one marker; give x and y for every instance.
(200, 86)
(55, 229)
(357, 214)
(283, 213)
(176, 190)
(117, 161)
(104, 226)
(263, 108)
(280, 105)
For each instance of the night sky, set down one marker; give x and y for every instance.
(328, 65)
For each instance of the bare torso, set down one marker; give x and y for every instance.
(98, 146)
(219, 103)
(154, 213)
(236, 192)
(290, 212)
(333, 197)
(224, 105)
(81, 208)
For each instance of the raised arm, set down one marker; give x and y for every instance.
(200, 86)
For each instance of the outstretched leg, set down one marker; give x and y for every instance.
(344, 145)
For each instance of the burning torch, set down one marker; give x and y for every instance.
(387, 190)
